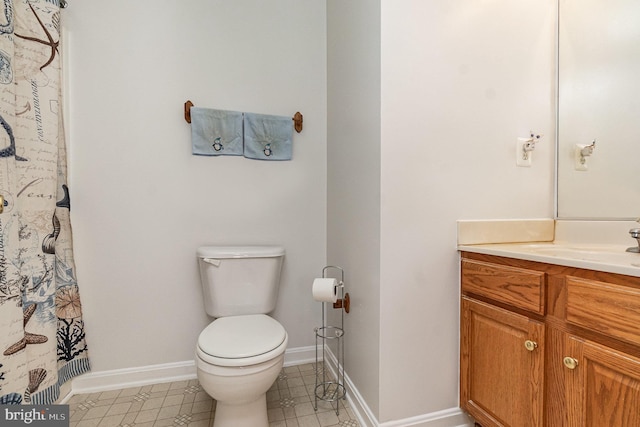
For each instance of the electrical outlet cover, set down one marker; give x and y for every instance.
(579, 161)
(523, 158)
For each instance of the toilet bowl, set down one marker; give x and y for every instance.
(238, 358)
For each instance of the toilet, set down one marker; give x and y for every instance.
(240, 354)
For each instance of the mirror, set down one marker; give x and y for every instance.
(598, 99)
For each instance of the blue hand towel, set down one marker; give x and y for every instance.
(216, 132)
(267, 137)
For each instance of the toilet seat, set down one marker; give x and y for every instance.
(241, 340)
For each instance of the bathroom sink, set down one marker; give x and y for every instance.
(588, 253)
(559, 249)
(554, 249)
(576, 250)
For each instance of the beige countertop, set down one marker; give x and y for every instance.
(600, 257)
(592, 245)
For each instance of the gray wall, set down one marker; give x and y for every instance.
(142, 204)
(353, 180)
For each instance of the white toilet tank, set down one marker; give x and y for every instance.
(239, 280)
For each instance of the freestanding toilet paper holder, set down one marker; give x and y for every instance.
(331, 388)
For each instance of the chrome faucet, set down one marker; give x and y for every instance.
(635, 233)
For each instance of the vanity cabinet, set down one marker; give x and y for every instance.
(502, 356)
(547, 345)
(603, 389)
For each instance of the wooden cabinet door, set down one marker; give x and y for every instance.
(501, 379)
(603, 389)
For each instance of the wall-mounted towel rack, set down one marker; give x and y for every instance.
(297, 117)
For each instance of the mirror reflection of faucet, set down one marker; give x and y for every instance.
(582, 152)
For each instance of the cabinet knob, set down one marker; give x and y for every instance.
(530, 345)
(570, 362)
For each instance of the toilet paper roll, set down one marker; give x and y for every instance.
(325, 290)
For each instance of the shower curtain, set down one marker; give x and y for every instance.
(42, 338)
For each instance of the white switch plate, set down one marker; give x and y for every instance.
(520, 153)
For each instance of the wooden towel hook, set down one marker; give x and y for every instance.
(297, 121)
(297, 117)
(187, 111)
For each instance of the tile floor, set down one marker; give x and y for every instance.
(184, 404)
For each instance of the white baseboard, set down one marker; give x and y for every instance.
(453, 417)
(93, 382)
(116, 379)
(300, 356)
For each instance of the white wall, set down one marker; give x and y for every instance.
(142, 204)
(461, 80)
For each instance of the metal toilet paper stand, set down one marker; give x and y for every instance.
(331, 388)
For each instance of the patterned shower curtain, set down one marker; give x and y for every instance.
(42, 338)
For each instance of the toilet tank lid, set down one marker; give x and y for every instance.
(239, 251)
